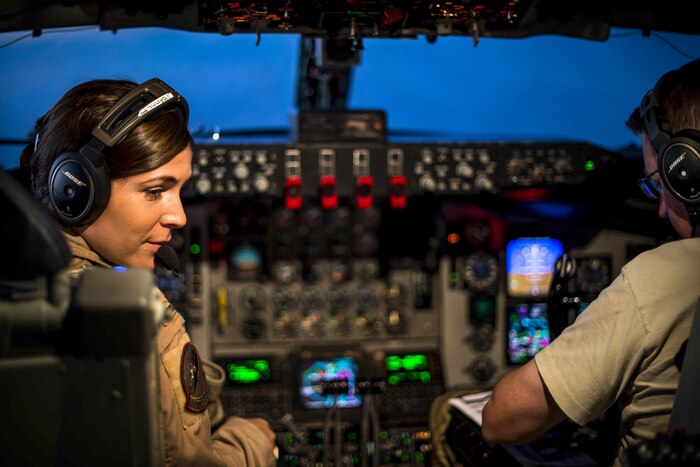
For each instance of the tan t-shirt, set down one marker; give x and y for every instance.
(622, 346)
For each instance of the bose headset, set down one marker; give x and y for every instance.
(79, 184)
(679, 153)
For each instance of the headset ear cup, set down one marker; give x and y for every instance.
(679, 166)
(78, 189)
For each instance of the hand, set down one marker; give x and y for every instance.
(265, 427)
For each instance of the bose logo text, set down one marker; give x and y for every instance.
(73, 178)
(675, 163)
(156, 103)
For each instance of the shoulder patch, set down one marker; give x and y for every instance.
(194, 381)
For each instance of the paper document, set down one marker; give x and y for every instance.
(471, 405)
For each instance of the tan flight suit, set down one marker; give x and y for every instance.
(185, 424)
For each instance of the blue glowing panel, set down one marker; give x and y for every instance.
(312, 373)
(530, 264)
(528, 331)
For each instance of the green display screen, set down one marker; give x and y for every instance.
(407, 368)
(248, 371)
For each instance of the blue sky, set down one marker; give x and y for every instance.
(544, 87)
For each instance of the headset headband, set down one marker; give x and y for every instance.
(653, 117)
(131, 110)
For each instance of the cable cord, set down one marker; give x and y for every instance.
(693, 216)
(370, 424)
(327, 424)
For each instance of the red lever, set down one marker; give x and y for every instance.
(397, 192)
(329, 195)
(364, 192)
(292, 193)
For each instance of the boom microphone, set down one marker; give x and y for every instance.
(166, 262)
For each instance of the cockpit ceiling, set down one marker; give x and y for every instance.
(357, 19)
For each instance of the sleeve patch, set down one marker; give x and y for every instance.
(194, 381)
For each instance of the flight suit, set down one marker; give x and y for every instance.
(185, 424)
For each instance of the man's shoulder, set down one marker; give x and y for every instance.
(664, 277)
(668, 255)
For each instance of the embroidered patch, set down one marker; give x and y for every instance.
(194, 381)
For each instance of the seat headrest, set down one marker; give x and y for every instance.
(32, 244)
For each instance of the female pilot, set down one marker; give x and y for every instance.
(110, 160)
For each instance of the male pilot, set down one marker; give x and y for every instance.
(622, 348)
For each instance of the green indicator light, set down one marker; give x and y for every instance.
(425, 376)
(415, 362)
(393, 379)
(454, 277)
(419, 458)
(261, 365)
(384, 434)
(484, 309)
(352, 436)
(590, 166)
(195, 249)
(413, 375)
(405, 458)
(288, 439)
(242, 374)
(406, 442)
(392, 363)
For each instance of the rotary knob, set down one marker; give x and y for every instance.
(464, 170)
(396, 322)
(285, 324)
(252, 299)
(482, 369)
(482, 338)
(563, 166)
(484, 183)
(284, 299)
(241, 171)
(427, 183)
(261, 184)
(203, 186)
(253, 328)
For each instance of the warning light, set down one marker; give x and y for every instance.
(216, 246)
(453, 238)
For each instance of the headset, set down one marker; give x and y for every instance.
(79, 182)
(679, 153)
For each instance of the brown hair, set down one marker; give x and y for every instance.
(678, 95)
(69, 124)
